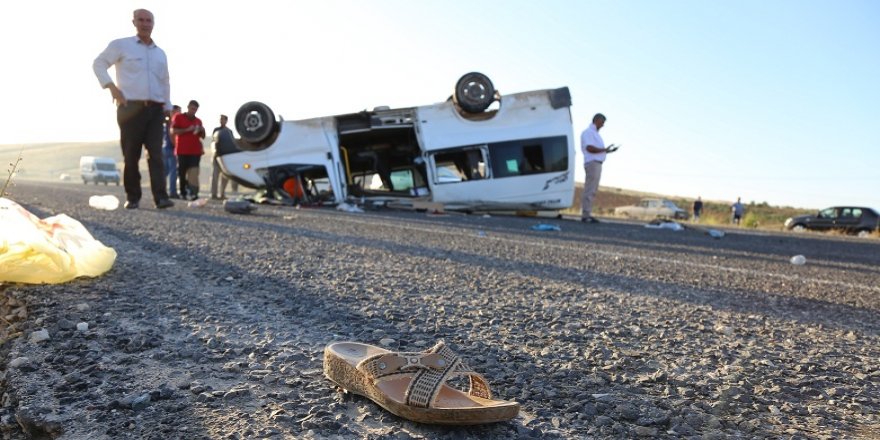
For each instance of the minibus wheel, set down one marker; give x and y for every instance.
(474, 92)
(254, 122)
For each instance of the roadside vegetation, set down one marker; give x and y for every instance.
(11, 173)
(758, 215)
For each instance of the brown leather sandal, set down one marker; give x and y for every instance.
(412, 384)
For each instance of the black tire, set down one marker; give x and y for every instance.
(254, 122)
(474, 92)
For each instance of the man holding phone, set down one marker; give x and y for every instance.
(595, 152)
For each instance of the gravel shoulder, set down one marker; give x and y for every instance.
(212, 325)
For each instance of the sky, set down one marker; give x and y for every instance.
(771, 101)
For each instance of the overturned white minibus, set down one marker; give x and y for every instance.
(479, 150)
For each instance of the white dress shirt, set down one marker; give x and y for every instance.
(590, 136)
(141, 70)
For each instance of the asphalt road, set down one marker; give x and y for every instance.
(600, 331)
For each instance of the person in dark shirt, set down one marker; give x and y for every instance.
(698, 209)
(224, 143)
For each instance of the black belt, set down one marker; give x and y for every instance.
(597, 161)
(144, 103)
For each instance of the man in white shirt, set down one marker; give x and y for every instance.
(142, 93)
(594, 151)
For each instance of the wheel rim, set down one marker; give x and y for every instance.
(474, 91)
(253, 121)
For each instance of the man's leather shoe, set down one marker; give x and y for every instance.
(164, 203)
(131, 205)
(589, 220)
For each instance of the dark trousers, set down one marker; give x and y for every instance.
(185, 163)
(140, 126)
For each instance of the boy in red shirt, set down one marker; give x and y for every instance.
(188, 134)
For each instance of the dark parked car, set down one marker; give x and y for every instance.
(851, 219)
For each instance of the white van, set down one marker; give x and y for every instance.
(98, 169)
(460, 153)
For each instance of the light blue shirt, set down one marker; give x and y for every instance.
(141, 70)
(737, 208)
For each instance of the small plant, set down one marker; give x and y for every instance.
(12, 167)
(750, 221)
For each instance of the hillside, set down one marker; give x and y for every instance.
(50, 161)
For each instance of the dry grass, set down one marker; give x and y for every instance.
(606, 200)
(12, 167)
(714, 213)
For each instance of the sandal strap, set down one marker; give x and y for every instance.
(479, 386)
(426, 383)
(430, 370)
(389, 364)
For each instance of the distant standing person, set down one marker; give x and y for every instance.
(142, 93)
(188, 133)
(698, 209)
(168, 154)
(224, 143)
(594, 151)
(737, 210)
